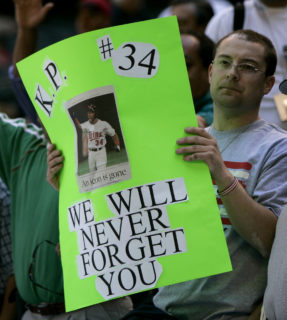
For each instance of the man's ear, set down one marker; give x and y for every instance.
(269, 82)
(210, 72)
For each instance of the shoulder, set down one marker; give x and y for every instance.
(270, 138)
(220, 25)
(20, 125)
(271, 131)
(104, 124)
(85, 124)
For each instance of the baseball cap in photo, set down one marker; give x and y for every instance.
(283, 86)
(92, 108)
(103, 5)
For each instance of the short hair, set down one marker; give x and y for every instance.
(203, 10)
(205, 49)
(252, 36)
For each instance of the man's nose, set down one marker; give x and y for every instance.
(233, 72)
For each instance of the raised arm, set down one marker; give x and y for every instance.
(254, 222)
(78, 124)
(29, 14)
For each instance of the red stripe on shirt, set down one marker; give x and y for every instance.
(226, 221)
(238, 165)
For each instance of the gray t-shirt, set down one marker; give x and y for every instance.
(275, 305)
(257, 155)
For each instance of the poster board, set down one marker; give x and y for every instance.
(139, 217)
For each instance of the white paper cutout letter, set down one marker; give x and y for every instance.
(106, 47)
(132, 278)
(136, 59)
(80, 214)
(44, 100)
(53, 74)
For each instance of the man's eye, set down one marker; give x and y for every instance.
(224, 63)
(247, 67)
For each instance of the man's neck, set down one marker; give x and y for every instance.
(223, 121)
(93, 121)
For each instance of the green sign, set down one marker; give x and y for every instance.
(133, 215)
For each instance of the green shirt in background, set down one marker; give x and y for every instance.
(34, 211)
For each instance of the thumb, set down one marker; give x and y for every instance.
(45, 9)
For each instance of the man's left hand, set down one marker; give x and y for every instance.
(200, 145)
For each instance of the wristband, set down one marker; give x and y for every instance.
(228, 189)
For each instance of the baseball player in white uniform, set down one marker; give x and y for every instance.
(94, 139)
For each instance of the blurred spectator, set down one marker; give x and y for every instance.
(7, 282)
(7, 34)
(35, 227)
(275, 307)
(155, 7)
(269, 18)
(93, 15)
(192, 15)
(127, 11)
(219, 5)
(198, 52)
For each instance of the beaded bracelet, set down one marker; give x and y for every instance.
(228, 189)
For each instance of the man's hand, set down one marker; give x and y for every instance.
(202, 146)
(30, 14)
(55, 164)
(58, 249)
(78, 124)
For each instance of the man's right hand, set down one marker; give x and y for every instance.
(78, 124)
(30, 14)
(55, 164)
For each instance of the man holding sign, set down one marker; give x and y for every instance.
(247, 158)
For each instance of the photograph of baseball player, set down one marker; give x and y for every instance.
(94, 132)
(101, 156)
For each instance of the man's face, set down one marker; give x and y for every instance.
(91, 115)
(232, 88)
(197, 74)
